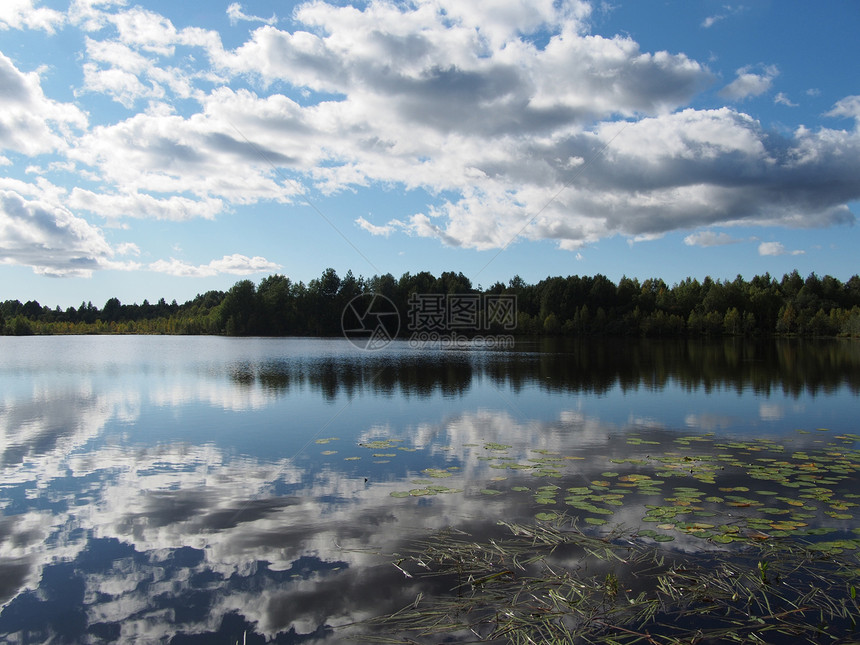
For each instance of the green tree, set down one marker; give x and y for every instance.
(20, 326)
(277, 306)
(732, 322)
(787, 320)
(238, 311)
(551, 324)
(111, 310)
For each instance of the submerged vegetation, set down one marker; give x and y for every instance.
(522, 588)
(695, 538)
(572, 306)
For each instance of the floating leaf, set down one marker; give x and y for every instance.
(377, 444)
(436, 473)
(546, 517)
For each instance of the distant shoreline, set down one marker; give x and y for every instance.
(575, 306)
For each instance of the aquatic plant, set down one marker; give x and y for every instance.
(554, 583)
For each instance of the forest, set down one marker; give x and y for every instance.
(573, 306)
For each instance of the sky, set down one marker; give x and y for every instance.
(164, 149)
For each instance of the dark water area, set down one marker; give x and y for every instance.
(216, 490)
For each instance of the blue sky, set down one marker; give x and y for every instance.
(162, 149)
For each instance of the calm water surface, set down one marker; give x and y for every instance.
(202, 489)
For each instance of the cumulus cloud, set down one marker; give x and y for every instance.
(134, 65)
(776, 248)
(117, 206)
(573, 139)
(48, 238)
(235, 264)
(689, 169)
(206, 154)
(750, 83)
(30, 123)
(23, 14)
(127, 248)
(847, 107)
(709, 238)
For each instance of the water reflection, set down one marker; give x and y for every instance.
(783, 366)
(157, 491)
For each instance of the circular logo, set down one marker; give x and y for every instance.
(370, 321)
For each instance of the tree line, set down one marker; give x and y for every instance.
(571, 306)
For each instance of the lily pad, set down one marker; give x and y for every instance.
(436, 473)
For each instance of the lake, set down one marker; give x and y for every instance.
(161, 489)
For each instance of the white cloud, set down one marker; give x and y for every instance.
(90, 14)
(750, 83)
(116, 206)
(231, 264)
(776, 248)
(31, 123)
(204, 155)
(48, 238)
(709, 238)
(710, 21)
(235, 13)
(728, 10)
(23, 14)
(455, 98)
(127, 248)
(848, 107)
(373, 229)
(124, 87)
(782, 99)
